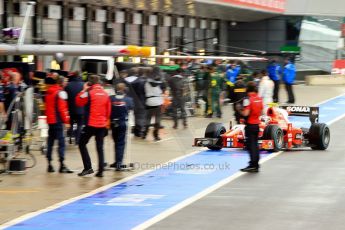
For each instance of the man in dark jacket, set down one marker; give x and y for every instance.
(15, 87)
(201, 83)
(57, 114)
(121, 104)
(74, 86)
(239, 92)
(136, 86)
(176, 84)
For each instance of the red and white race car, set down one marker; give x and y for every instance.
(276, 132)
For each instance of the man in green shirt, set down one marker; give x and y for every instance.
(215, 88)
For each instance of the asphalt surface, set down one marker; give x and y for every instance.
(297, 190)
(22, 194)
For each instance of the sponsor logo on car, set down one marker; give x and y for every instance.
(299, 109)
(314, 112)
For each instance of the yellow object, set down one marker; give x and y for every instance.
(136, 59)
(9, 137)
(136, 51)
(54, 65)
(213, 83)
(272, 104)
(145, 51)
(166, 60)
(152, 61)
(229, 83)
(133, 50)
(201, 52)
(240, 90)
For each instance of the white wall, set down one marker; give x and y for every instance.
(316, 7)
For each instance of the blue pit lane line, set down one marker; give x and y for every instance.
(136, 201)
(131, 203)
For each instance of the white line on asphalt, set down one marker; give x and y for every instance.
(327, 100)
(103, 188)
(198, 196)
(336, 119)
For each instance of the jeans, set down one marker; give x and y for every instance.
(290, 93)
(78, 120)
(179, 103)
(276, 91)
(56, 132)
(86, 134)
(154, 111)
(252, 136)
(119, 132)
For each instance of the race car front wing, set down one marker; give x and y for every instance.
(231, 143)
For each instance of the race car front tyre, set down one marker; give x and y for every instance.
(319, 136)
(275, 133)
(215, 130)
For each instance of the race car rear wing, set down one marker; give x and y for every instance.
(294, 110)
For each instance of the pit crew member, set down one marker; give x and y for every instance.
(57, 114)
(252, 110)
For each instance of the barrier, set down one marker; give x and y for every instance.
(325, 80)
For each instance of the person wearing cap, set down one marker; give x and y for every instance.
(57, 115)
(121, 104)
(96, 119)
(252, 109)
(75, 85)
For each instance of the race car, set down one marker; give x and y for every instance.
(276, 132)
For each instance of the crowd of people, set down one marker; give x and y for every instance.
(87, 109)
(214, 84)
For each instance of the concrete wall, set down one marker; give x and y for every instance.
(267, 35)
(223, 35)
(325, 80)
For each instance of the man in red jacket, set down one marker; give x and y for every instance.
(97, 114)
(57, 115)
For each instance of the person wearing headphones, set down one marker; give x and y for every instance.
(57, 115)
(97, 110)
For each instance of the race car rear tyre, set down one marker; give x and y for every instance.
(275, 133)
(215, 130)
(319, 136)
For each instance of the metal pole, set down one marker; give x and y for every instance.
(25, 23)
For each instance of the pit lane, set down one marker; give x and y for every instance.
(178, 145)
